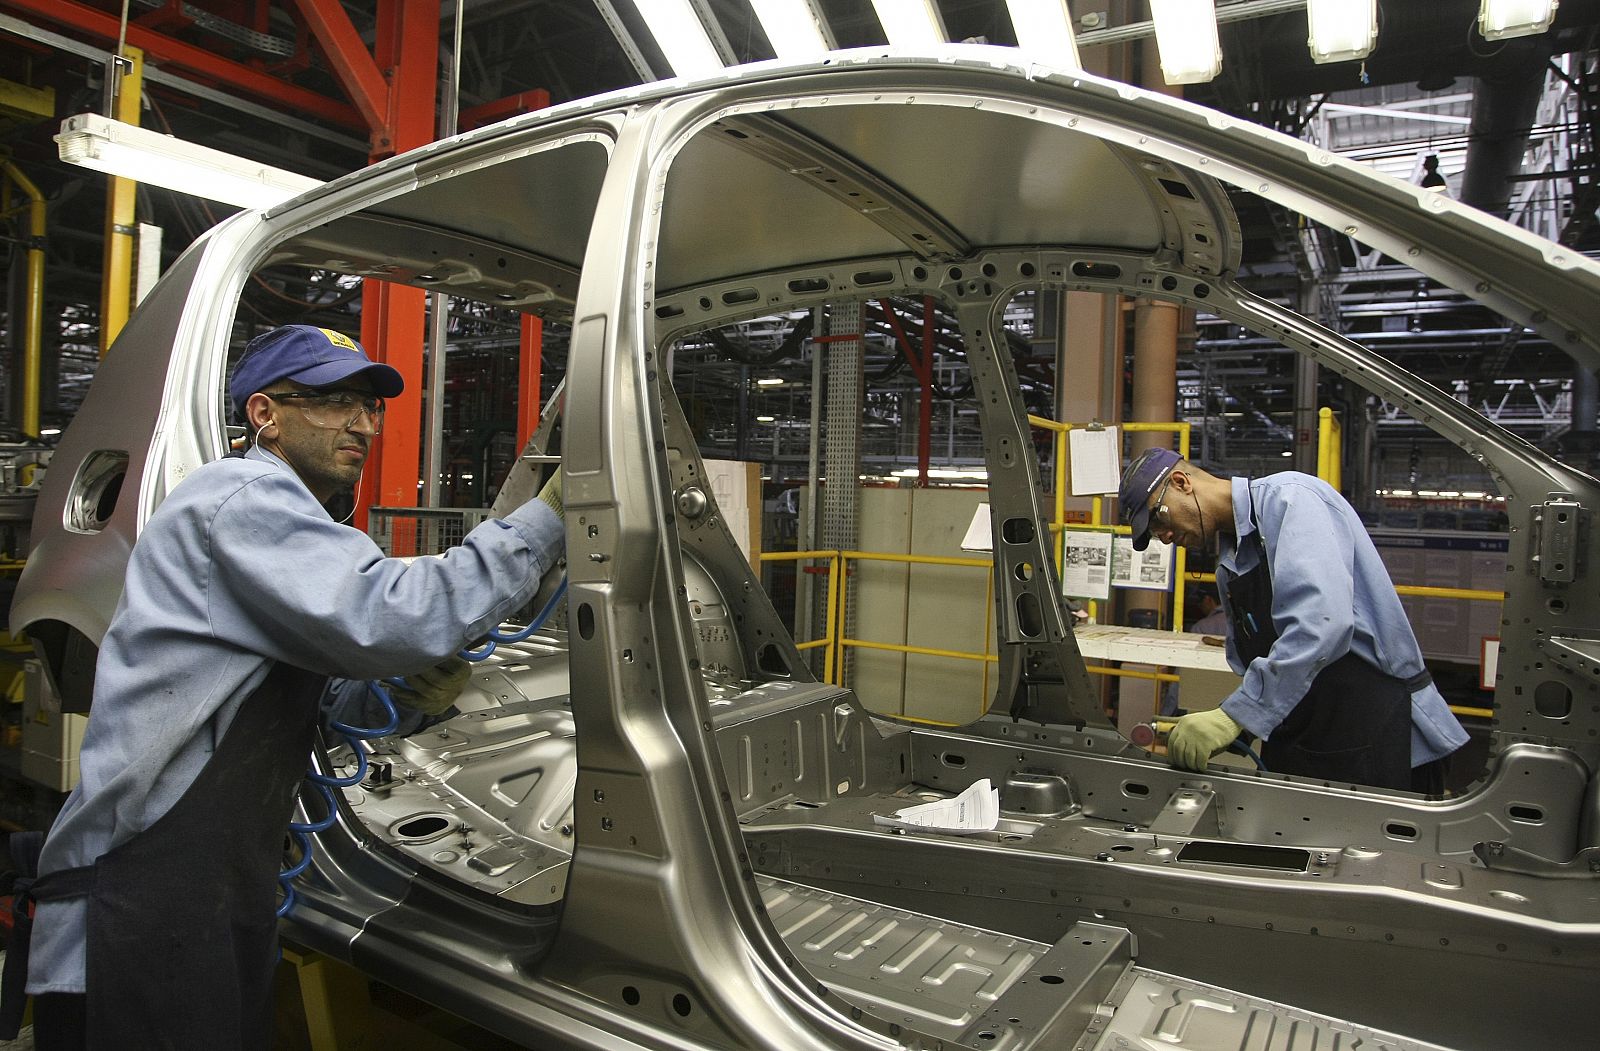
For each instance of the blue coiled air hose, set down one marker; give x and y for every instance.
(302, 831)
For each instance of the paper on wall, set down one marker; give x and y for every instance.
(975, 810)
(1086, 564)
(980, 535)
(1095, 461)
(1150, 569)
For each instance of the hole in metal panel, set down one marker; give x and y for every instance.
(1246, 855)
(772, 660)
(1529, 814)
(955, 759)
(873, 277)
(1176, 188)
(1105, 271)
(1553, 699)
(1030, 619)
(586, 621)
(1400, 830)
(1017, 531)
(735, 296)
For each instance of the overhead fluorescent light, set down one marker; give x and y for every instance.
(1186, 38)
(1498, 19)
(770, 381)
(911, 23)
(795, 28)
(1044, 30)
(764, 419)
(680, 36)
(1341, 30)
(49, 432)
(146, 156)
(942, 472)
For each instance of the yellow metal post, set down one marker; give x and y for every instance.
(1330, 440)
(832, 658)
(116, 282)
(33, 322)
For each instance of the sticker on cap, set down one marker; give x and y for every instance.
(339, 339)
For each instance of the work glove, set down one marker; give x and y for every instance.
(1195, 738)
(435, 689)
(551, 495)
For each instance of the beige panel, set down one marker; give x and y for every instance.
(879, 599)
(948, 611)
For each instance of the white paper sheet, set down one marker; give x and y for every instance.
(979, 535)
(1086, 564)
(975, 810)
(1094, 458)
(1150, 569)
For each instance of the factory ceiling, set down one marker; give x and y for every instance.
(255, 79)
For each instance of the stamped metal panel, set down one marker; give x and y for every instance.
(998, 178)
(1156, 1010)
(934, 976)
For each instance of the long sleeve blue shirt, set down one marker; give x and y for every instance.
(1331, 595)
(238, 568)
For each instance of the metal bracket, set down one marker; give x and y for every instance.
(1558, 519)
(1499, 857)
(1572, 654)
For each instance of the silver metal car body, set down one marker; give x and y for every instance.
(651, 857)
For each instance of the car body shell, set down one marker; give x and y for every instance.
(648, 214)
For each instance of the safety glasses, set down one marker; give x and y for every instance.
(336, 408)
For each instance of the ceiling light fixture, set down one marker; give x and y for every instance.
(1499, 19)
(1341, 30)
(765, 419)
(681, 37)
(1186, 38)
(911, 23)
(769, 381)
(1044, 30)
(795, 28)
(105, 145)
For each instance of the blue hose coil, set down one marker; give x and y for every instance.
(302, 831)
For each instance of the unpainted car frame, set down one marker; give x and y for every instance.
(679, 812)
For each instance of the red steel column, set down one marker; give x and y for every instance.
(530, 366)
(393, 317)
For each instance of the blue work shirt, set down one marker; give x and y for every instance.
(238, 568)
(1331, 595)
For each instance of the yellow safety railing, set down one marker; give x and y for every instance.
(828, 637)
(834, 642)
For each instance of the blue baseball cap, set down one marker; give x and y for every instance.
(315, 357)
(1141, 478)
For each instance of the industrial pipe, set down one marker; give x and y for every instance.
(33, 323)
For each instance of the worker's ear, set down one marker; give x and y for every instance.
(1181, 481)
(258, 415)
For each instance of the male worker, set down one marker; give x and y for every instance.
(155, 925)
(1333, 679)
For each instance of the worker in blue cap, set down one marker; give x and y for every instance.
(1334, 681)
(157, 884)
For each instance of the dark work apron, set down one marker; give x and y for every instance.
(182, 936)
(1354, 724)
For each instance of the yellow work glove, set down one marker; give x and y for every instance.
(551, 495)
(1197, 737)
(435, 689)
